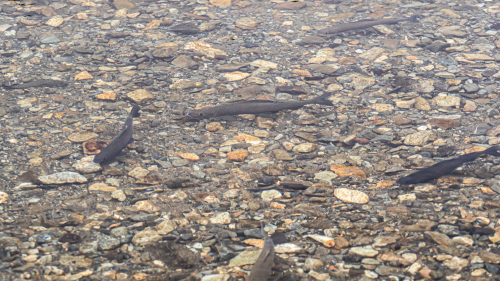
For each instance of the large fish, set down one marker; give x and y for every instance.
(445, 167)
(124, 138)
(254, 107)
(261, 270)
(362, 24)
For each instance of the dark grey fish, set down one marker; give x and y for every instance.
(292, 90)
(265, 181)
(495, 26)
(261, 270)
(119, 143)
(254, 107)
(186, 28)
(279, 238)
(445, 167)
(39, 83)
(364, 24)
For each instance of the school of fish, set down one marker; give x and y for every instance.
(262, 268)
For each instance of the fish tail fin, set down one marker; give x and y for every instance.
(413, 18)
(322, 99)
(135, 111)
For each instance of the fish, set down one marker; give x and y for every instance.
(255, 107)
(445, 167)
(261, 270)
(49, 83)
(124, 137)
(362, 24)
(279, 238)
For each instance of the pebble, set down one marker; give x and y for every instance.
(165, 227)
(235, 76)
(140, 95)
(146, 206)
(270, 195)
(119, 195)
(216, 277)
(146, 236)
(86, 165)
(418, 139)
(189, 156)
(325, 176)
(221, 218)
(351, 196)
(238, 155)
(244, 258)
(102, 187)
(82, 136)
(4, 197)
(305, 147)
(138, 173)
(62, 178)
(366, 251)
(84, 75)
(349, 171)
(446, 106)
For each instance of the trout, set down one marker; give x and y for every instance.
(123, 138)
(261, 270)
(446, 167)
(362, 24)
(254, 107)
(49, 83)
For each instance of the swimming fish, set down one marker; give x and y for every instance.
(261, 270)
(49, 83)
(362, 24)
(123, 138)
(279, 238)
(255, 107)
(445, 167)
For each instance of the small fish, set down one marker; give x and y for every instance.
(124, 138)
(265, 181)
(495, 26)
(39, 83)
(254, 107)
(445, 167)
(279, 238)
(261, 270)
(362, 24)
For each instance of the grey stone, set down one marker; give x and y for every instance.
(51, 39)
(437, 46)
(469, 87)
(450, 230)
(183, 61)
(105, 242)
(447, 61)
(225, 253)
(479, 129)
(312, 40)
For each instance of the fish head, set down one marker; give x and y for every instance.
(201, 114)
(404, 180)
(99, 158)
